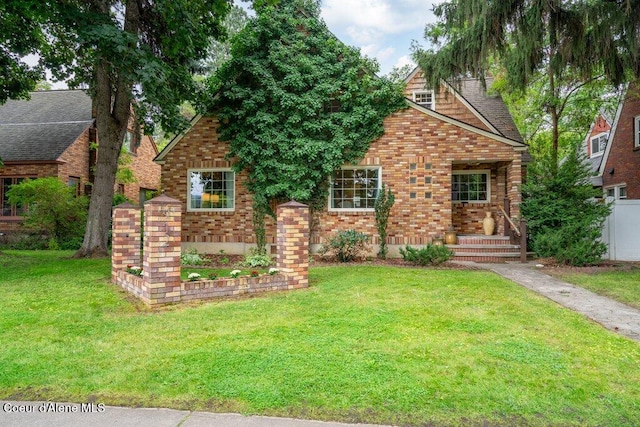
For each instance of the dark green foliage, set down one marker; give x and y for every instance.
(382, 207)
(428, 255)
(563, 215)
(568, 43)
(295, 103)
(345, 246)
(53, 211)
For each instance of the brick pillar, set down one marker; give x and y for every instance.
(125, 247)
(161, 259)
(293, 243)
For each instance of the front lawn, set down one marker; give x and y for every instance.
(621, 282)
(369, 344)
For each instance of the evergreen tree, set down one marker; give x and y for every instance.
(570, 42)
(564, 211)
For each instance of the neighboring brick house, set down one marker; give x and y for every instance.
(595, 144)
(51, 135)
(448, 157)
(620, 167)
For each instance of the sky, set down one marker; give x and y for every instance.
(382, 29)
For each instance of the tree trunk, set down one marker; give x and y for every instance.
(113, 108)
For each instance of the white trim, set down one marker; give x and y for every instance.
(459, 97)
(159, 159)
(475, 112)
(519, 146)
(486, 172)
(598, 136)
(354, 167)
(636, 131)
(190, 209)
(425, 91)
(616, 191)
(612, 133)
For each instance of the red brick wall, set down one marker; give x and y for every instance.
(145, 170)
(446, 102)
(413, 137)
(200, 148)
(623, 156)
(599, 127)
(410, 137)
(76, 161)
(9, 224)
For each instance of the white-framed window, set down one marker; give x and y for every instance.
(470, 186)
(211, 190)
(616, 193)
(355, 188)
(426, 98)
(598, 144)
(636, 131)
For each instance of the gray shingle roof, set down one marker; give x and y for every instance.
(40, 129)
(491, 107)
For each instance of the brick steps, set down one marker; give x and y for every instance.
(480, 248)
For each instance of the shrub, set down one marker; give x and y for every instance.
(564, 216)
(53, 212)
(256, 258)
(383, 206)
(346, 246)
(191, 257)
(428, 255)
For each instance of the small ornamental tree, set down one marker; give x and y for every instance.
(295, 103)
(563, 212)
(382, 207)
(52, 211)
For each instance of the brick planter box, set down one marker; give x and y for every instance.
(160, 283)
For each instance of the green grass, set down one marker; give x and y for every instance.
(621, 285)
(362, 344)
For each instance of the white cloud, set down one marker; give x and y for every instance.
(389, 17)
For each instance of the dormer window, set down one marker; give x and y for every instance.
(425, 98)
(598, 144)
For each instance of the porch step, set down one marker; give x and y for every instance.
(480, 248)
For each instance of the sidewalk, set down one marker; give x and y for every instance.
(48, 414)
(611, 314)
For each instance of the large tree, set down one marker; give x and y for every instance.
(569, 42)
(295, 103)
(136, 54)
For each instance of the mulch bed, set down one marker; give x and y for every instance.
(229, 261)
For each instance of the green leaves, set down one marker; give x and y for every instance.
(295, 103)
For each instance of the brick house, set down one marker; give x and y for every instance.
(595, 144)
(620, 166)
(51, 135)
(449, 157)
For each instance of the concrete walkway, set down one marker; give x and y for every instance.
(611, 314)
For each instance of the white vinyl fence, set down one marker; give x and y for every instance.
(621, 231)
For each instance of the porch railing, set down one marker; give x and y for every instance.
(511, 229)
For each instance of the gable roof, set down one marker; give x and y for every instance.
(594, 162)
(40, 129)
(489, 109)
(612, 134)
(519, 145)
